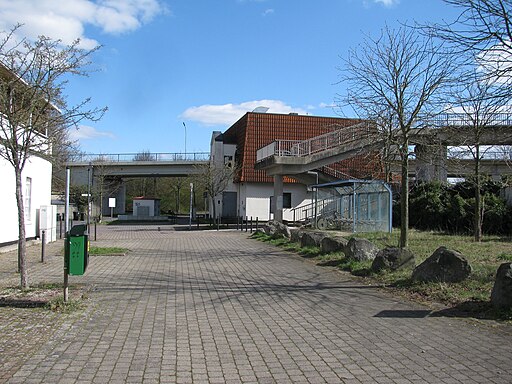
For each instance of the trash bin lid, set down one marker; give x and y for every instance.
(78, 230)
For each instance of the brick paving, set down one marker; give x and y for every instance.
(217, 307)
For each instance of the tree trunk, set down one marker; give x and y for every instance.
(478, 199)
(404, 198)
(214, 210)
(22, 242)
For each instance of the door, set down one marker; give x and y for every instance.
(228, 204)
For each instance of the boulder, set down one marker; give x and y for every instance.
(311, 239)
(333, 244)
(501, 296)
(296, 234)
(444, 265)
(393, 258)
(360, 249)
(277, 230)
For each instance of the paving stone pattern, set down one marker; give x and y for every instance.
(217, 307)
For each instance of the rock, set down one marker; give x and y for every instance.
(360, 249)
(501, 296)
(393, 258)
(444, 265)
(277, 230)
(311, 239)
(333, 244)
(296, 234)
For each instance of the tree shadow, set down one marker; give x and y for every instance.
(22, 303)
(478, 309)
(330, 263)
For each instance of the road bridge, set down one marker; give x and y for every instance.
(111, 170)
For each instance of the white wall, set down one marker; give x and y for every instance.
(254, 199)
(40, 171)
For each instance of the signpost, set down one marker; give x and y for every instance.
(111, 205)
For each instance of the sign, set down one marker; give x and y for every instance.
(111, 202)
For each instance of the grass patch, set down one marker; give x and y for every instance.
(44, 295)
(471, 296)
(59, 305)
(504, 257)
(101, 251)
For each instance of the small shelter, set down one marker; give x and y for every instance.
(354, 206)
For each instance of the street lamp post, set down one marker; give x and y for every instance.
(185, 140)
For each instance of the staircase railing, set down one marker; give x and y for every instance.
(329, 140)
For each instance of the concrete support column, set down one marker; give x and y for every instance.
(278, 198)
(431, 162)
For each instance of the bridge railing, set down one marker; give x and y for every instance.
(490, 153)
(463, 119)
(129, 157)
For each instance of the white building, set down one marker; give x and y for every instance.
(36, 179)
(36, 176)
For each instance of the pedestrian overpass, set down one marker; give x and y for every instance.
(430, 162)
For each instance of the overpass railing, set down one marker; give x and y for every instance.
(464, 119)
(138, 157)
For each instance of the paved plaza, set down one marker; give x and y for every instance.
(219, 307)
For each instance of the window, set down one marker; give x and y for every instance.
(228, 161)
(28, 198)
(287, 200)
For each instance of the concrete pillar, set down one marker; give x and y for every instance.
(278, 198)
(431, 162)
(114, 187)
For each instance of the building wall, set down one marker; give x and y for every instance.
(152, 205)
(40, 172)
(255, 199)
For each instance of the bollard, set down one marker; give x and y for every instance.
(246, 223)
(256, 222)
(95, 232)
(43, 245)
(237, 222)
(251, 224)
(60, 227)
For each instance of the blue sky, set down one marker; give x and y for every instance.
(206, 62)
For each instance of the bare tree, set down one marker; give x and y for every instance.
(145, 155)
(480, 111)
(484, 30)
(482, 36)
(215, 179)
(34, 111)
(397, 79)
(104, 184)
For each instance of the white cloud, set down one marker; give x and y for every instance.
(327, 105)
(85, 132)
(388, 3)
(67, 19)
(267, 12)
(227, 114)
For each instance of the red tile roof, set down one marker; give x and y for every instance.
(255, 130)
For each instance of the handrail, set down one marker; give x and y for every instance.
(329, 140)
(462, 119)
(138, 157)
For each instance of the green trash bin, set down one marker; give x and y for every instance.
(76, 250)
